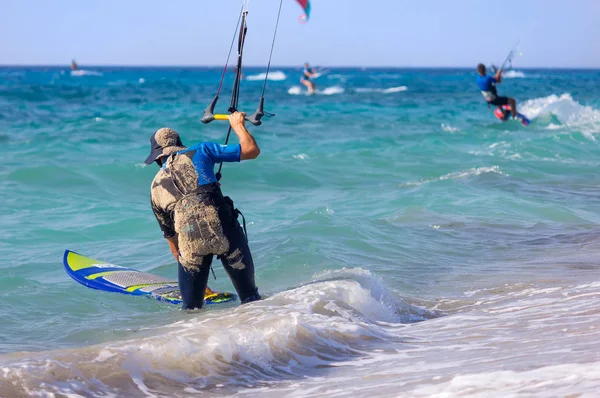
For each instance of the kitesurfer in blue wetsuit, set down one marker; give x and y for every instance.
(306, 79)
(194, 216)
(487, 85)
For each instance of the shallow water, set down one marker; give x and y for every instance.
(408, 242)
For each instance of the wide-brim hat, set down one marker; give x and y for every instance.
(164, 142)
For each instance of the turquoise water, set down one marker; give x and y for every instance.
(406, 240)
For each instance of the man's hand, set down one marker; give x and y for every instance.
(249, 147)
(236, 120)
(174, 246)
(499, 75)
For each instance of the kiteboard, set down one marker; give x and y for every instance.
(114, 278)
(503, 113)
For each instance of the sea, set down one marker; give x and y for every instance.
(407, 242)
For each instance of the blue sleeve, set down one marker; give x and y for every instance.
(222, 153)
(493, 79)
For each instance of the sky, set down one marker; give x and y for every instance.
(388, 33)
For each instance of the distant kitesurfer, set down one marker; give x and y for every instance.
(307, 74)
(74, 65)
(487, 85)
(194, 216)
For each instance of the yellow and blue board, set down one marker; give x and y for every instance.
(114, 278)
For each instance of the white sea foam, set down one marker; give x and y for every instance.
(301, 156)
(389, 90)
(472, 172)
(331, 90)
(344, 334)
(545, 381)
(553, 126)
(326, 211)
(458, 175)
(511, 74)
(571, 113)
(104, 355)
(274, 75)
(84, 72)
(297, 90)
(337, 76)
(334, 318)
(449, 129)
(545, 348)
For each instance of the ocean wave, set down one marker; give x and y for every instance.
(337, 76)
(331, 90)
(334, 318)
(449, 129)
(553, 126)
(84, 72)
(569, 112)
(297, 90)
(483, 354)
(557, 380)
(389, 90)
(512, 74)
(276, 75)
(458, 175)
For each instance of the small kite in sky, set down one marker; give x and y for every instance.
(305, 4)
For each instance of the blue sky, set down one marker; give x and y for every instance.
(552, 33)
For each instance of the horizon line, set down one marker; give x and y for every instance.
(68, 66)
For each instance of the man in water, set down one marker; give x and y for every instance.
(194, 216)
(487, 85)
(307, 75)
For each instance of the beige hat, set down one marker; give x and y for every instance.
(164, 142)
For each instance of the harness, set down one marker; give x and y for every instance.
(490, 94)
(206, 189)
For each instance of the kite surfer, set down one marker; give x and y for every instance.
(487, 85)
(197, 221)
(307, 75)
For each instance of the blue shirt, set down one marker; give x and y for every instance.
(487, 85)
(205, 155)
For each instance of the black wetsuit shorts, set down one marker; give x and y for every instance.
(499, 101)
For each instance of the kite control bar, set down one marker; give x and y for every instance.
(255, 118)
